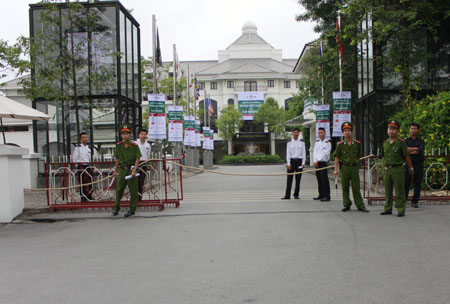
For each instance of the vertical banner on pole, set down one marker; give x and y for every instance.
(197, 134)
(175, 115)
(205, 138)
(342, 111)
(249, 103)
(211, 139)
(323, 120)
(157, 116)
(189, 130)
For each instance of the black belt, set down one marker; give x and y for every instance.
(296, 158)
(393, 166)
(125, 167)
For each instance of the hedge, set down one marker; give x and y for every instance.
(251, 159)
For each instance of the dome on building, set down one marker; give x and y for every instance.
(249, 27)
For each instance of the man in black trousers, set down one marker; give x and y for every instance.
(416, 147)
(295, 159)
(321, 155)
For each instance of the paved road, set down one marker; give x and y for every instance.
(231, 241)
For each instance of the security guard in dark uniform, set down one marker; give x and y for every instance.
(395, 154)
(127, 161)
(348, 152)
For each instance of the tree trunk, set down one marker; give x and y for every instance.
(230, 146)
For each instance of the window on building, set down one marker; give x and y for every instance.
(270, 83)
(230, 84)
(297, 85)
(201, 85)
(250, 86)
(287, 84)
(213, 85)
(231, 101)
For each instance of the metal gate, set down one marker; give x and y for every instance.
(435, 184)
(161, 182)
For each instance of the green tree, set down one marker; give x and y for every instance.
(272, 115)
(229, 121)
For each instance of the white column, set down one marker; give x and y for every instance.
(11, 182)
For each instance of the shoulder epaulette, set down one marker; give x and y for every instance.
(357, 141)
(327, 141)
(134, 143)
(341, 142)
(301, 139)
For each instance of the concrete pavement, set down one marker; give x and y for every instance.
(232, 241)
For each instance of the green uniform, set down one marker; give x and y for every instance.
(127, 155)
(349, 156)
(394, 175)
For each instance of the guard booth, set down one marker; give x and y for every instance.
(103, 39)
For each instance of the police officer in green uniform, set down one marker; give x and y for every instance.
(395, 154)
(348, 152)
(127, 161)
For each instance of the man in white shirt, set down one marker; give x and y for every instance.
(145, 149)
(295, 159)
(82, 156)
(321, 155)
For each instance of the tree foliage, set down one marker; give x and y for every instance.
(229, 121)
(271, 114)
(399, 31)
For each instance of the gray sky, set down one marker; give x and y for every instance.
(199, 28)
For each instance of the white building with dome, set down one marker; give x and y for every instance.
(249, 64)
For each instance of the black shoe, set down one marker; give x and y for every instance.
(284, 198)
(345, 209)
(414, 205)
(317, 198)
(400, 214)
(115, 212)
(363, 209)
(386, 212)
(297, 197)
(325, 199)
(129, 213)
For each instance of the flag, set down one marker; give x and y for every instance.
(338, 40)
(209, 106)
(319, 67)
(158, 49)
(197, 89)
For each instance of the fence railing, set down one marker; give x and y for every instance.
(435, 183)
(160, 180)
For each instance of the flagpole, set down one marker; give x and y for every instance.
(204, 109)
(194, 106)
(321, 72)
(154, 54)
(187, 93)
(340, 55)
(174, 74)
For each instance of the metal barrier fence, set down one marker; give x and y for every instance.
(435, 184)
(161, 182)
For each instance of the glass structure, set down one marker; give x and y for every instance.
(103, 39)
(379, 90)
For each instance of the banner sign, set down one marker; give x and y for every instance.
(323, 120)
(189, 131)
(157, 116)
(198, 142)
(175, 116)
(342, 111)
(308, 105)
(205, 138)
(249, 103)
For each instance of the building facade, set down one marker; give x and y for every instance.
(249, 64)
